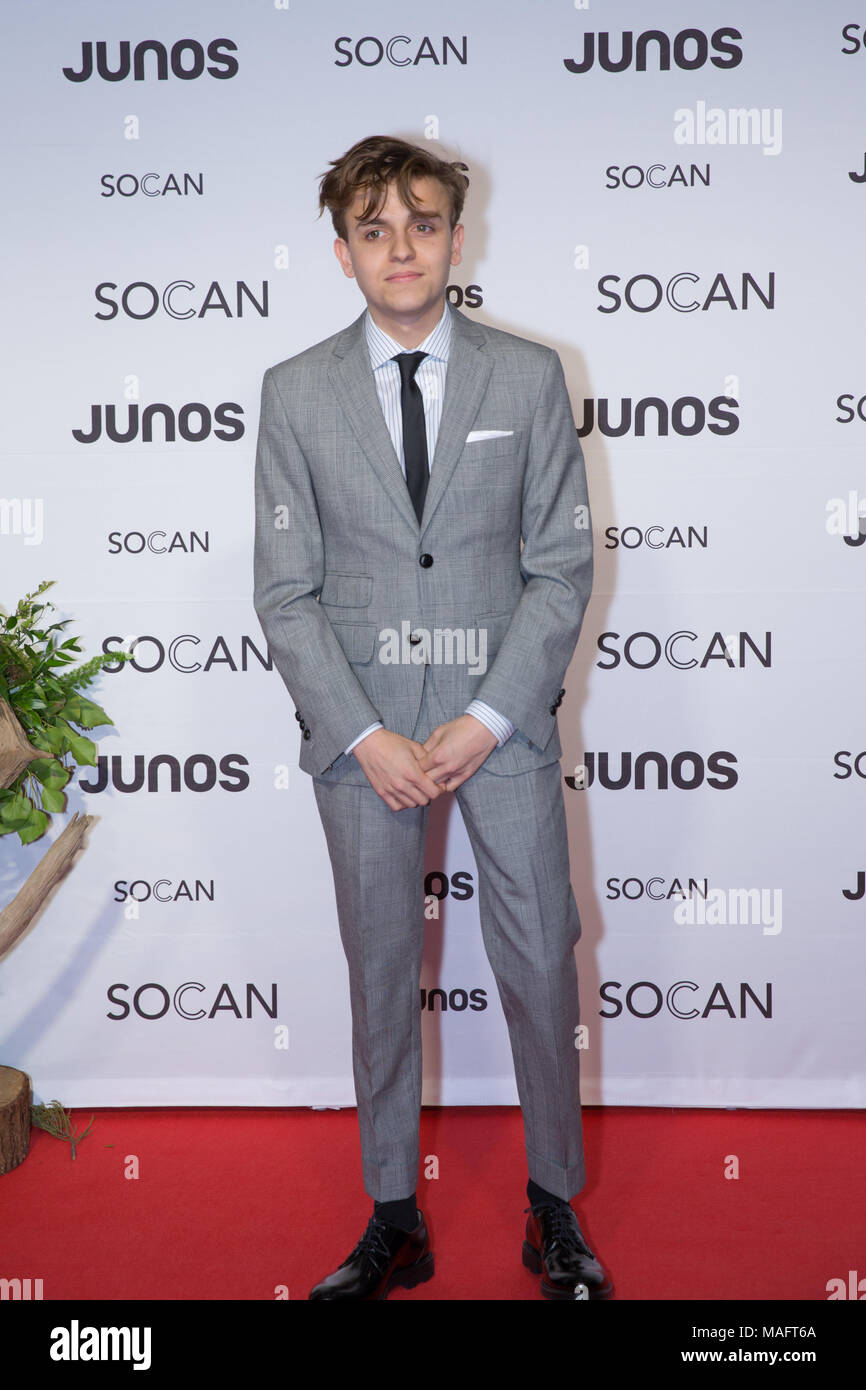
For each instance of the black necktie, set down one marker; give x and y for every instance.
(414, 429)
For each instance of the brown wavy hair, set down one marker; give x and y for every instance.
(378, 161)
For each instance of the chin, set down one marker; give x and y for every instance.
(407, 302)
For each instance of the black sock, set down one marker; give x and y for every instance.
(537, 1196)
(402, 1214)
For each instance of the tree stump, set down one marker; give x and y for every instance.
(16, 752)
(16, 1097)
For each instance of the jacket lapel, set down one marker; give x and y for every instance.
(355, 389)
(469, 368)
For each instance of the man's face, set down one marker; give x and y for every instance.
(401, 259)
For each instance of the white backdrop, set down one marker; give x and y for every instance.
(193, 956)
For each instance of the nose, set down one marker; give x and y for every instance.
(401, 247)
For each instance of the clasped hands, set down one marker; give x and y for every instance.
(406, 773)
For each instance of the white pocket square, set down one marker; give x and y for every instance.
(474, 435)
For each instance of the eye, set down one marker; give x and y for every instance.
(423, 225)
(373, 232)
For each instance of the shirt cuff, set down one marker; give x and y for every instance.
(496, 723)
(377, 725)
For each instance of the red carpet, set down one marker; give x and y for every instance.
(233, 1204)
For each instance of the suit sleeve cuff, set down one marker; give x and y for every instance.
(369, 730)
(496, 723)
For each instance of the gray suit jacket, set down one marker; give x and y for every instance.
(344, 574)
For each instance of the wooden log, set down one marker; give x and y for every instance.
(16, 1097)
(15, 750)
(37, 891)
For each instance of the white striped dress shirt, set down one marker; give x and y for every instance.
(430, 377)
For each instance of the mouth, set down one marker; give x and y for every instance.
(404, 275)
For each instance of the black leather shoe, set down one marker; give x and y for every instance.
(384, 1258)
(555, 1248)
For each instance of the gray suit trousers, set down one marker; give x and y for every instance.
(530, 925)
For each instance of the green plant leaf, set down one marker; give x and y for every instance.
(50, 773)
(16, 812)
(30, 702)
(91, 714)
(39, 739)
(72, 708)
(42, 678)
(82, 749)
(36, 826)
(52, 737)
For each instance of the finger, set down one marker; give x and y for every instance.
(398, 802)
(415, 793)
(418, 776)
(435, 757)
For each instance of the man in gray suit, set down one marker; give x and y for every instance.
(423, 562)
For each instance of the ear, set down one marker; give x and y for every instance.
(344, 256)
(457, 244)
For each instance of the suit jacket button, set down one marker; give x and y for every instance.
(425, 561)
(306, 733)
(562, 692)
(553, 709)
(298, 715)
(303, 725)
